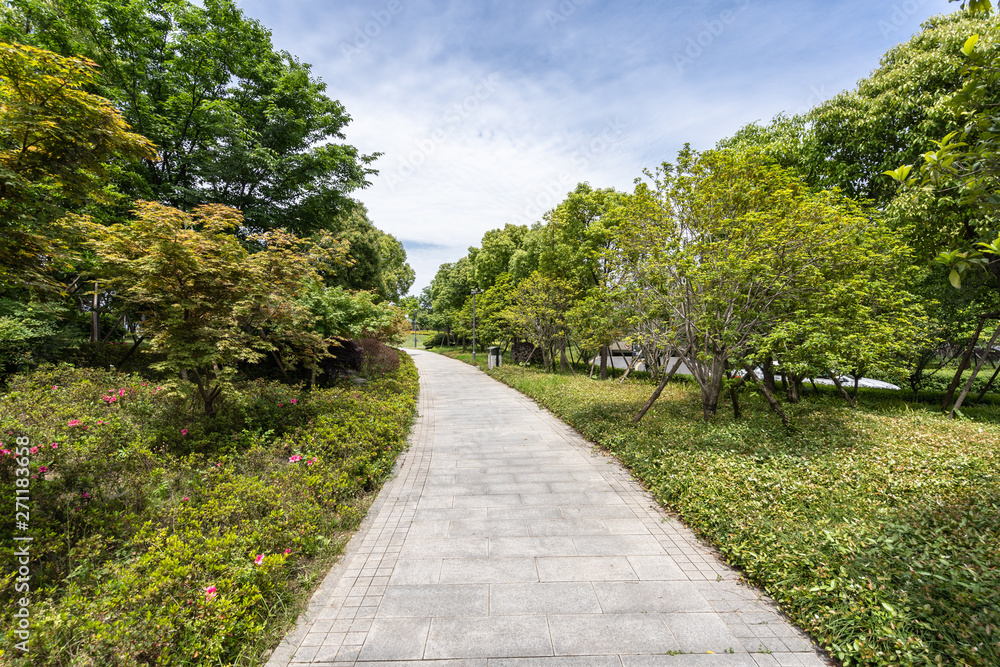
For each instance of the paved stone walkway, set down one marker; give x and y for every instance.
(503, 540)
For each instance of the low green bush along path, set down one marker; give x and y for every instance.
(164, 537)
(875, 529)
(504, 540)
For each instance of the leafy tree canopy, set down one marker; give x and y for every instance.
(59, 145)
(236, 122)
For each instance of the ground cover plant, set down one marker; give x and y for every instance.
(875, 529)
(163, 536)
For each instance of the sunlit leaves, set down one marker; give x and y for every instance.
(57, 146)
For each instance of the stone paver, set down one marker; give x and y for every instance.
(503, 540)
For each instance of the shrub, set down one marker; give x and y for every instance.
(149, 519)
(437, 340)
(377, 357)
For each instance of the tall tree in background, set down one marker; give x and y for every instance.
(58, 149)
(236, 122)
(580, 236)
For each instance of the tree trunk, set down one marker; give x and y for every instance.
(208, 393)
(843, 392)
(988, 385)
(95, 318)
(631, 365)
(659, 388)
(736, 403)
(131, 350)
(792, 393)
(979, 365)
(652, 399)
(767, 371)
(563, 362)
(713, 389)
(281, 366)
(604, 362)
(949, 395)
(771, 400)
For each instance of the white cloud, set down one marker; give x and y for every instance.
(488, 113)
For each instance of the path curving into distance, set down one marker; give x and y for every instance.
(503, 540)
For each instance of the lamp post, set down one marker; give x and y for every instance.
(474, 293)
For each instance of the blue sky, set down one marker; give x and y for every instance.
(490, 112)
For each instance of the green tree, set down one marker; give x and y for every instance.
(58, 144)
(395, 275)
(732, 248)
(341, 314)
(208, 302)
(539, 310)
(237, 122)
(580, 238)
(496, 252)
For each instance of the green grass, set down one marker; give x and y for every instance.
(421, 337)
(163, 537)
(875, 529)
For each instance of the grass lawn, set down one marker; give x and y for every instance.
(875, 529)
(421, 337)
(161, 536)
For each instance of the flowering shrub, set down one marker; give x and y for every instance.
(164, 537)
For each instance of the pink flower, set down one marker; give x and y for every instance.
(184, 499)
(33, 450)
(294, 458)
(86, 495)
(219, 464)
(55, 445)
(210, 593)
(74, 422)
(184, 431)
(288, 551)
(294, 400)
(121, 392)
(281, 405)
(259, 559)
(43, 469)
(310, 462)
(4, 452)
(55, 386)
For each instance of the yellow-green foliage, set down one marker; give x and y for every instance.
(875, 529)
(145, 505)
